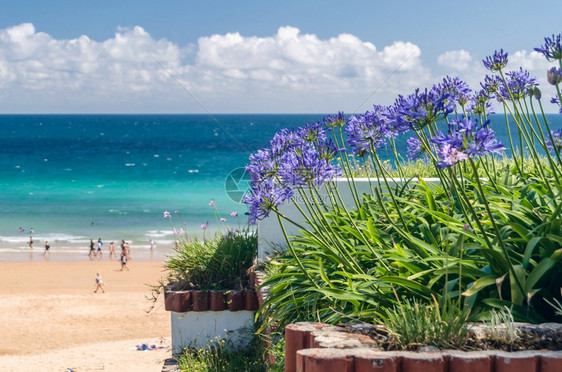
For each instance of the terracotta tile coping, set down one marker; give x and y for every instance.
(318, 347)
(194, 300)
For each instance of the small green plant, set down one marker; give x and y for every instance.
(557, 306)
(219, 263)
(221, 356)
(502, 326)
(415, 325)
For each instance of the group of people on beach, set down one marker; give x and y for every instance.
(97, 250)
(47, 245)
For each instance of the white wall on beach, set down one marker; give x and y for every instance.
(270, 234)
(198, 328)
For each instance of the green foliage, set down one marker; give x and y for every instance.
(221, 356)
(415, 325)
(219, 263)
(423, 242)
(501, 326)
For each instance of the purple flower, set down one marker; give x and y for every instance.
(414, 148)
(552, 48)
(212, 203)
(556, 144)
(467, 227)
(285, 140)
(420, 109)
(180, 231)
(496, 62)
(234, 214)
(465, 139)
(554, 76)
(457, 90)
(313, 132)
(480, 104)
(265, 197)
(449, 156)
(263, 165)
(366, 131)
(491, 84)
(519, 83)
(307, 165)
(204, 226)
(337, 120)
(167, 214)
(223, 219)
(556, 101)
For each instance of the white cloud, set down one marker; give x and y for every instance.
(286, 72)
(455, 59)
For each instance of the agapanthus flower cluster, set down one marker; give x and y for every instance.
(264, 197)
(554, 76)
(556, 144)
(296, 157)
(496, 62)
(519, 83)
(308, 165)
(466, 138)
(480, 104)
(337, 120)
(552, 48)
(491, 85)
(414, 148)
(421, 108)
(368, 131)
(457, 90)
(312, 132)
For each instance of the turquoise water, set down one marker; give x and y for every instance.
(77, 177)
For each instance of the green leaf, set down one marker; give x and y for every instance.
(529, 249)
(480, 284)
(538, 272)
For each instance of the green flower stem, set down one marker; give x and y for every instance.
(511, 145)
(347, 169)
(352, 220)
(498, 235)
(378, 162)
(543, 143)
(549, 131)
(299, 262)
(333, 235)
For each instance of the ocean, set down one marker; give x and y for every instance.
(73, 178)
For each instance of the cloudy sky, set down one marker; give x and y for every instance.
(131, 56)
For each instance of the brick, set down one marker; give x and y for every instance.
(524, 361)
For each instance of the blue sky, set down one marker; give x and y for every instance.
(252, 56)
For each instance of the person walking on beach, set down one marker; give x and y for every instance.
(30, 242)
(92, 249)
(99, 283)
(124, 261)
(47, 246)
(100, 246)
(112, 250)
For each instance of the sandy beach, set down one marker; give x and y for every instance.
(52, 320)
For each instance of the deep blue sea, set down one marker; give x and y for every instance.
(76, 177)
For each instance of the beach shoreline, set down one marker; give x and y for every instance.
(52, 319)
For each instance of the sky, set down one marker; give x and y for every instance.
(183, 56)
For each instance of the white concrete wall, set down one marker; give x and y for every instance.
(270, 235)
(198, 328)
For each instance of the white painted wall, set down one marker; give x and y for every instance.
(270, 235)
(198, 328)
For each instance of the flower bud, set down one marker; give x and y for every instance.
(554, 76)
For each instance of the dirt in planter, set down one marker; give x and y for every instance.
(480, 337)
